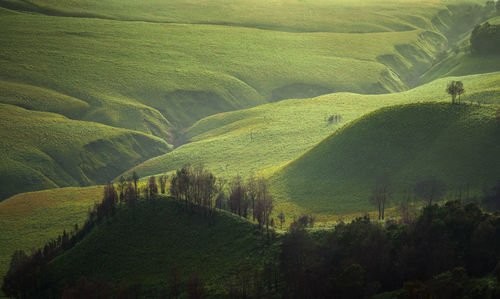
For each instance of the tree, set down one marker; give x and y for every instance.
(238, 198)
(380, 195)
(263, 203)
(281, 217)
(485, 39)
(455, 88)
(135, 179)
(497, 5)
(430, 189)
(152, 187)
(122, 185)
(163, 182)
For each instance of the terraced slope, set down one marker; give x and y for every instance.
(265, 137)
(41, 150)
(167, 235)
(29, 220)
(458, 144)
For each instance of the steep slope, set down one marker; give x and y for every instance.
(265, 137)
(167, 234)
(458, 144)
(29, 220)
(41, 150)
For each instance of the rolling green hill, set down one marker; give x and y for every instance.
(263, 138)
(41, 150)
(29, 220)
(184, 61)
(141, 247)
(283, 15)
(455, 143)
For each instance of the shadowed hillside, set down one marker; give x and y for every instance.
(458, 144)
(140, 246)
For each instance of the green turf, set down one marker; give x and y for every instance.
(283, 15)
(147, 75)
(456, 143)
(40, 150)
(462, 64)
(265, 137)
(29, 220)
(141, 247)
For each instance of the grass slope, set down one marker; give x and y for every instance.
(148, 76)
(265, 137)
(167, 235)
(42, 150)
(283, 15)
(456, 143)
(29, 220)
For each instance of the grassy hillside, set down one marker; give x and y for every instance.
(265, 137)
(29, 220)
(215, 57)
(167, 235)
(284, 15)
(41, 150)
(462, 64)
(456, 143)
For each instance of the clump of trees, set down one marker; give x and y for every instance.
(199, 187)
(485, 39)
(455, 88)
(434, 255)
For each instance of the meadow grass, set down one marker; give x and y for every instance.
(149, 76)
(141, 246)
(41, 150)
(283, 15)
(263, 138)
(458, 144)
(29, 220)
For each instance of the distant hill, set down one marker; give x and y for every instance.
(141, 247)
(40, 150)
(458, 144)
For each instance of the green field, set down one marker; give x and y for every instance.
(159, 68)
(29, 220)
(294, 16)
(142, 247)
(458, 144)
(150, 75)
(41, 150)
(263, 138)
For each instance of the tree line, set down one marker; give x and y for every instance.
(436, 255)
(248, 199)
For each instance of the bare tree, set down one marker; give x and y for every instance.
(381, 195)
(430, 189)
